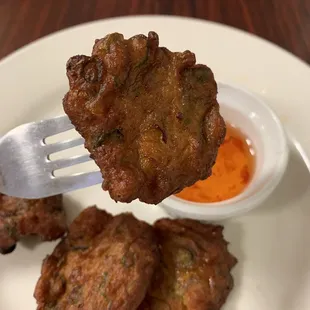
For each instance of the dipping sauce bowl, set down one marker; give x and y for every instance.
(253, 117)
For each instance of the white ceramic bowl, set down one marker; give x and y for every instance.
(253, 117)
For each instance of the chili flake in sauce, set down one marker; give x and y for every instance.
(231, 173)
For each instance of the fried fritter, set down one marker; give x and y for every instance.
(22, 217)
(149, 116)
(105, 262)
(194, 272)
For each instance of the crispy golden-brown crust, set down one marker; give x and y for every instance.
(149, 116)
(21, 217)
(105, 262)
(194, 271)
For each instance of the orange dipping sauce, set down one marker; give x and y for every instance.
(232, 172)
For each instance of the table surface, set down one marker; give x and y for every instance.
(284, 22)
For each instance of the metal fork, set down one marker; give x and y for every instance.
(26, 170)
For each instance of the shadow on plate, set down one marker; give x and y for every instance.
(276, 241)
(72, 208)
(295, 184)
(294, 192)
(234, 233)
(29, 242)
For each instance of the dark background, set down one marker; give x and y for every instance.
(284, 22)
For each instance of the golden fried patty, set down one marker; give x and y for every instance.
(149, 116)
(105, 262)
(21, 217)
(194, 271)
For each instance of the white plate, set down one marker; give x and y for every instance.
(272, 243)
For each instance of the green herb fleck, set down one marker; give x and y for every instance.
(105, 278)
(51, 306)
(61, 261)
(79, 247)
(123, 260)
(104, 295)
(203, 75)
(103, 284)
(75, 295)
(109, 305)
(119, 228)
(62, 279)
(185, 257)
(186, 121)
(11, 230)
(112, 135)
(144, 59)
(112, 38)
(128, 260)
(117, 81)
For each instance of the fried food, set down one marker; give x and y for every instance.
(21, 217)
(104, 262)
(194, 271)
(149, 116)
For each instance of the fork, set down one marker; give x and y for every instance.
(26, 170)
